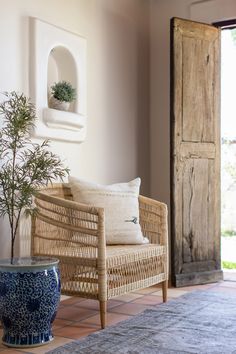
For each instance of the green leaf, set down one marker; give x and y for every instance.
(25, 166)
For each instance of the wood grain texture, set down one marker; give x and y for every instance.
(196, 278)
(198, 75)
(195, 152)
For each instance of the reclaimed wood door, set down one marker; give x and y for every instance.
(195, 152)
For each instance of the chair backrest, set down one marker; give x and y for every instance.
(61, 190)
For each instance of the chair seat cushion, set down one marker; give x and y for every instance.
(120, 202)
(116, 256)
(122, 254)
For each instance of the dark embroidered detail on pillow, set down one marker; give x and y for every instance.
(134, 220)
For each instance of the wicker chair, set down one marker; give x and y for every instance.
(74, 233)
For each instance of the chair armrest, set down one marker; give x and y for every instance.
(64, 224)
(153, 220)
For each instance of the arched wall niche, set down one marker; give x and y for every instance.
(62, 67)
(56, 55)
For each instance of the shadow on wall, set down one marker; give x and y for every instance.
(5, 245)
(143, 96)
(126, 60)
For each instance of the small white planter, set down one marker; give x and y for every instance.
(60, 105)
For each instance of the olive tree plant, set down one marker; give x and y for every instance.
(25, 166)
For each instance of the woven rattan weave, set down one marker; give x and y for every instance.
(75, 234)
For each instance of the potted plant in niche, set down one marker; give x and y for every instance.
(29, 287)
(62, 95)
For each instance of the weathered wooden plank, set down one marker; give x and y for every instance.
(198, 150)
(198, 96)
(176, 140)
(196, 278)
(214, 227)
(195, 210)
(199, 266)
(190, 28)
(215, 169)
(195, 153)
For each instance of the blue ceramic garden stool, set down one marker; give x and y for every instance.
(29, 298)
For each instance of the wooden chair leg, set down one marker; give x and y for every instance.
(164, 290)
(103, 313)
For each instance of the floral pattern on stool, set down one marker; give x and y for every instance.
(28, 305)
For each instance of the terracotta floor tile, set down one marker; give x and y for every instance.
(76, 331)
(158, 292)
(73, 313)
(78, 317)
(149, 300)
(129, 309)
(59, 323)
(171, 293)
(2, 346)
(72, 300)
(128, 297)
(113, 303)
(11, 351)
(57, 342)
(112, 318)
(149, 290)
(60, 307)
(94, 304)
(64, 297)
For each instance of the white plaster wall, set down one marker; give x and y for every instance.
(160, 14)
(117, 143)
(210, 11)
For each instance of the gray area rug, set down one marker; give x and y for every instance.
(199, 322)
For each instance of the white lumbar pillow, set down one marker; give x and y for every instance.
(120, 202)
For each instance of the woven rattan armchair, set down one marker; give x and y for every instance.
(75, 234)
